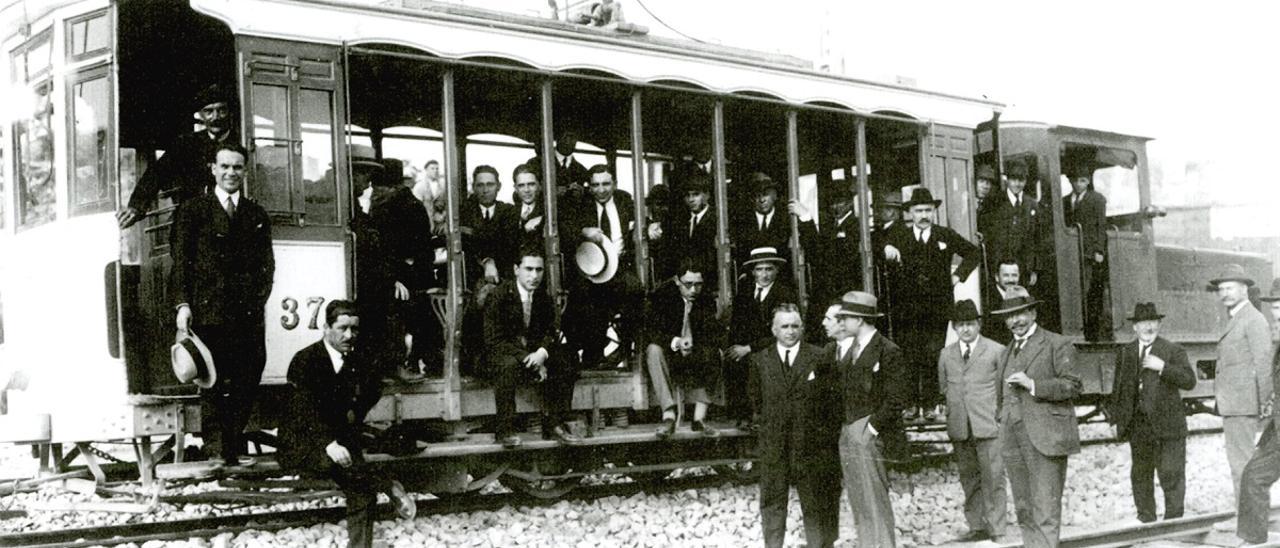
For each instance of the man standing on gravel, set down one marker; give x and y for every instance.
(969, 375)
(1243, 381)
(1037, 418)
(794, 386)
(1264, 468)
(1146, 408)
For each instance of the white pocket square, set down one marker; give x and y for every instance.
(875, 368)
(811, 377)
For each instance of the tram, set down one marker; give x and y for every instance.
(100, 87)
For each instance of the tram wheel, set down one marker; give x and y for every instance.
(541, 488)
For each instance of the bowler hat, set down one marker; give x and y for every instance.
(858, 304)
(1275, 292)
(920, 196)
(986, 172)
(192, 362)
(214, 93)
(1016, 170)
(597, 261)
(363, 155)
(1145, 311)
(761, 184)
(965, 311)
(1016, 299)
(1231, 272)
(764, 255)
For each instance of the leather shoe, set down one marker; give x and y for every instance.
(708, 431)
(563, 435)
(667, 429)
(510, 442)
(406, 508)
(974, 535)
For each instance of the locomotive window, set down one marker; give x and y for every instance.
(92, 187)
(34, 155)
(1113, 172)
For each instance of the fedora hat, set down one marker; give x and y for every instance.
(858, 304)
(1275, 292)
(363, 155)
(597, 261)
(212, 94)
(1145, 311)
(965, 311)
(986, 172)
(1016, 298)
(1016, 170)
(919, 196)
(1231, 273)
(764, 255)
(192, 362)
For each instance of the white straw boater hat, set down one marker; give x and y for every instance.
(192, 362)
(598, 261)
(764, 255)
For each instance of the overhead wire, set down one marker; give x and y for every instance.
(664, 23)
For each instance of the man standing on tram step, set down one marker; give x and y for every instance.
(1009, 223)
(596, 301)
(795, 387)
(969, 374)
(331, 389)
(1037, 418)
(1087, 209)
(683, 354)
(873, 385)
(522, 346)
(184, 167)
(834, 246)
(1242, 385)
(765, 226)
(403, 228)
(1263, 468)
(919, 256)
(1146, 408)
(751, 327)
(223, 268)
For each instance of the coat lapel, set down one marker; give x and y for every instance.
(1231, 323)
(802, 365)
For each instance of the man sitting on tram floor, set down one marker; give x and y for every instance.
(1146, 408)
(832, 247)
(223, 271)
(185, 163)
(1009, 222)
(765, 226)
(969, 375)
(522, 346)
(529, 206)
(612, 295)
(795, 388)
(751, 327)
(684, 352)
(873, 385)
(1008, 275)
(332, 386)
(923, 288)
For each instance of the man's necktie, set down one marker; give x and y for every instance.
(525, 211)
(693, 222)
(527, 306)
(1017, 202)
(1142, 357)
(488, 214)
(967, 349)
(230, 207)
(1017, 346)
(786, 358)
(920, 236)
(605, 226)
(686, 330)
(759, 294)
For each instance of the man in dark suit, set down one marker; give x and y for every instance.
(750, 329)
(766, 225)
(185, 164)
(571, 175)
(597, 304)
(331, 389)
(969, 374)
(873, 384)
(1009, 224)
(922, 281)
(694, 235)
(1037, 418)
(832, 247)
(685, 338)
(1087, 209)
(223, 268)
(529, 206)
(521, 346)
(795, 386)
(494, 228)
(1146, 408)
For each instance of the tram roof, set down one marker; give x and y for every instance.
(458, 32)
(1079, 130)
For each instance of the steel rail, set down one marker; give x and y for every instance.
(1178, 528)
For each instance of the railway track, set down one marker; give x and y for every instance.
(1191, 530)
(140, 533)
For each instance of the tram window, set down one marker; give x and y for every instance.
(503, 153)
(270, 183)
(33, 140)
(92, 186)
(1113, 172)
(88, 35)
(320, 192)
(677, 142)
(33, 59)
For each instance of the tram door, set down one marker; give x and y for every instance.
(949, 176)
(292, 98)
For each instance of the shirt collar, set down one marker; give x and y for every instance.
(698, 215)
(765, 216)
(846, 215)
(525, 295)
(844, 344)
(560, 158)
(864, 338)
(795, 349)
(1013, 198)
(222, 195)
(600, 206)
(1236, 309)
(335, 357)
(1030, 332)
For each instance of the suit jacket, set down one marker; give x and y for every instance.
(324, 407)
(1011, 231)
(922, 282)
(1243, 380)
(222, 268)
(751, 319)
(835, 253)
(664, 319)
(402, 239)
(1156, 396)
(586, 216)
(1091, 215)
(1049, 359)
(747, 234)
(795, 407)
(184, 167)
(505, 333)
(495, 239)
(971, 388)
(875, 384)
(701, 244)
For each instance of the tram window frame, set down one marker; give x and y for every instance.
(105, 180)
(20, 58)
(1107, 158)
(86, 22)
(21, 187)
